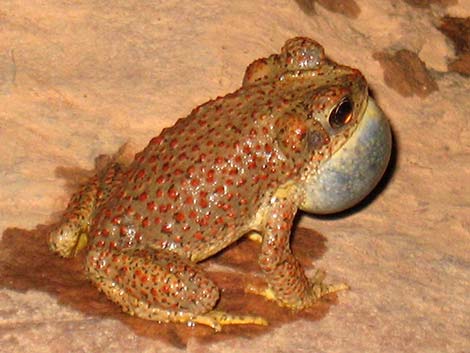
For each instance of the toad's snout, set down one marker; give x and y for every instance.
(355, 169)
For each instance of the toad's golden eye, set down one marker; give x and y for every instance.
(342, 114)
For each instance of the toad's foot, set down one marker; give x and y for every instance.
(217, 319)
(318, 290)
(255, 237)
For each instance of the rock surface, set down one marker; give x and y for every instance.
(78, 79)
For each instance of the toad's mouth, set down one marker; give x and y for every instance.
(355, 169)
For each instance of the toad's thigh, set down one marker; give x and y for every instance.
(153, 278)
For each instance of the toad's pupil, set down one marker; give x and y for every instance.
(341, 115)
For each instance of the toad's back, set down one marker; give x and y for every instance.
(195, 188)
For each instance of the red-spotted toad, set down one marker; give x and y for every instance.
(301, 133)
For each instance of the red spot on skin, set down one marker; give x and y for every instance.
(220, 189)
(189, 200)
(160, 179)
(140, 174)
(153, 159)
(241, 182)
(129, 211)
(210, 176)
(156, 140)
(145, 222)
(143, 196)
(198, 236)
(246, 149)
(166, 166)
(219, 160)
(192, 214)
(163, 208)
(112, 246)
(151, 206)
(203, 202)
(172, 193)
(243, 201)
(204, 221)
(116, 220)
(233, 171)
(179, 217)
(154, 292)
(159, 193)
(157, 220)
(166, 228)
(202, 157)
(202, 122)
(105, 233)
(100, 243)
(191, 171)
(139, 157)
(173, 143)
(194, 182)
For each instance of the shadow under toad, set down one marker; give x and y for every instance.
(27, 263)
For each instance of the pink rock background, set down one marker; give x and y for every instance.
(79, 79)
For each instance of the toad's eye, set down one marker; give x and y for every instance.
(342, 114)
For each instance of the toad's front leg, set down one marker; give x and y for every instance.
(288, 284)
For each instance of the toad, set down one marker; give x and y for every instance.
(301, 133)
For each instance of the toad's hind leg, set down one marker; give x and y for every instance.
(162, 286)
(71, 234)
